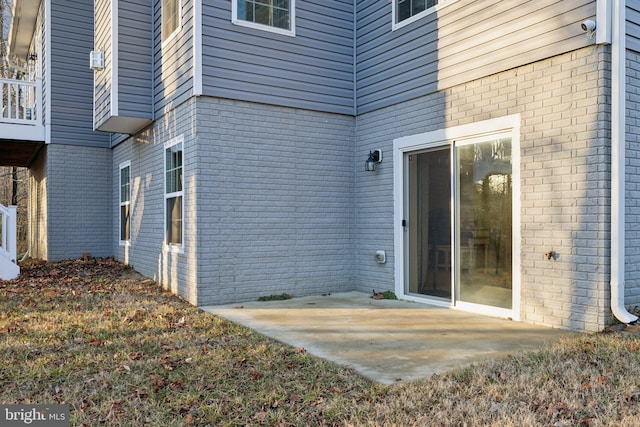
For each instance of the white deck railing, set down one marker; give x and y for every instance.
(9, 268)
(8, 232)
(21, 102)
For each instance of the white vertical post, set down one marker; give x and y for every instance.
(37, 113)
(9, 103)
(604, 22)
(12, 233)
(2, 92)
(9, 268)
(3, 237)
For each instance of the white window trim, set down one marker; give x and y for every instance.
(121, 203)
(177, 248)
(292, 19)
(397, 25)
(175, 32)
(454, 136)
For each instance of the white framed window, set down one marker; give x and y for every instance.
(171, 18)
(408, 11)
(277, 16)
(125, 202)
(173, 195)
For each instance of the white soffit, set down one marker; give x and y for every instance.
(23, 25)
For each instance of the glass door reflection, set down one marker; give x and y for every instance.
(484, 223)
(429, 223)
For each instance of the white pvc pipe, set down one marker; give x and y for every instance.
(618, 134)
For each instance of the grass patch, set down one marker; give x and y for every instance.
(120, 351)
(280, 297)
(384, 295)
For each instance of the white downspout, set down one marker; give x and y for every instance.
(618, 138)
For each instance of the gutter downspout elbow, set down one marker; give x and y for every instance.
(618, 139)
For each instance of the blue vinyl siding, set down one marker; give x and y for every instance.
(71, 79)
(633, 26)
(313, 70)
(173, 66)
(102, 80)
(123, 89)
(463, 41)
(135, 59)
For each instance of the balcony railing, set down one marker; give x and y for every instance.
(21, 102)
(21, 110)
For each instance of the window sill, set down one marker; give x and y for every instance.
(290, 33)
(173, 249)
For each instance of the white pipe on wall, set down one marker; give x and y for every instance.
(618, 138)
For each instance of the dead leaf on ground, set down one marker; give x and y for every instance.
(28, 302)
(260, 416)
(136, 355)
(256, 374)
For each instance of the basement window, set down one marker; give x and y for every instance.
(125, 203)
(174, 208)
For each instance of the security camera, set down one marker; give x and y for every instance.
(588, 25)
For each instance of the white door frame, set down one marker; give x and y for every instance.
(442, 138)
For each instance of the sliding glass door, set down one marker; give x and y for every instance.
(476, 265)
(429, 223)
(456, 203)
(484, 199)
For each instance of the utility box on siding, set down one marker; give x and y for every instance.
(123, 100)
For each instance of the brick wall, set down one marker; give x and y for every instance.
(269, 201)
(70, 199)
(276, 201)
(145, 151)
(632, 274)
(565, 176)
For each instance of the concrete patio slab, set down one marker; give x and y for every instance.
(387, 340)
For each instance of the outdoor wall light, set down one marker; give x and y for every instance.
(375, 156)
